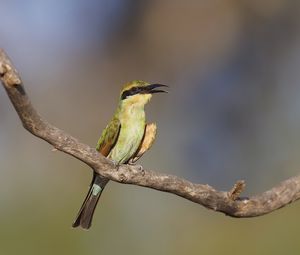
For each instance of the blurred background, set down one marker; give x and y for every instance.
(233, 112)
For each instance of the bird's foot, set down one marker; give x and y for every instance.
(138, 168)
(132, 163)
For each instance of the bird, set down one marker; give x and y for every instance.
(124, 140)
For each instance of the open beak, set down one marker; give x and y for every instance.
(152, 88)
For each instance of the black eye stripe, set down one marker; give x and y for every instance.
(131, 92)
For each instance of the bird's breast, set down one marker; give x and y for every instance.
(130, 136)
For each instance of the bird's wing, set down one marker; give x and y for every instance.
(149, 137)
(109, 137)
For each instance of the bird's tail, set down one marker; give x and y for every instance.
(86, 212)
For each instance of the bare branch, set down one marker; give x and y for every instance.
(227, 202)
(237, 189)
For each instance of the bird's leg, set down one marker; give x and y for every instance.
(132, 163)
(136, 166)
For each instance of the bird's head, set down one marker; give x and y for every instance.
(139, 92)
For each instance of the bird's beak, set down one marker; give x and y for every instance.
(152, 88)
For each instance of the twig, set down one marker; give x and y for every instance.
(227, 202)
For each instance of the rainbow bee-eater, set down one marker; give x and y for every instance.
(124, 140)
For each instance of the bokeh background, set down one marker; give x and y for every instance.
(233, 112)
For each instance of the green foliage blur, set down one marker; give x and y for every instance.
(232, 113)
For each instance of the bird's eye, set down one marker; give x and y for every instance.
(125, 94)
(130, 92)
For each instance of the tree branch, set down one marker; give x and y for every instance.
(227, 202)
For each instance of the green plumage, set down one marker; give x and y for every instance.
(120, 140)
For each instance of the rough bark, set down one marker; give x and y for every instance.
(227, 202)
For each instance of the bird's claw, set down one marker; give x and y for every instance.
(132, 163)
(138, 167)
